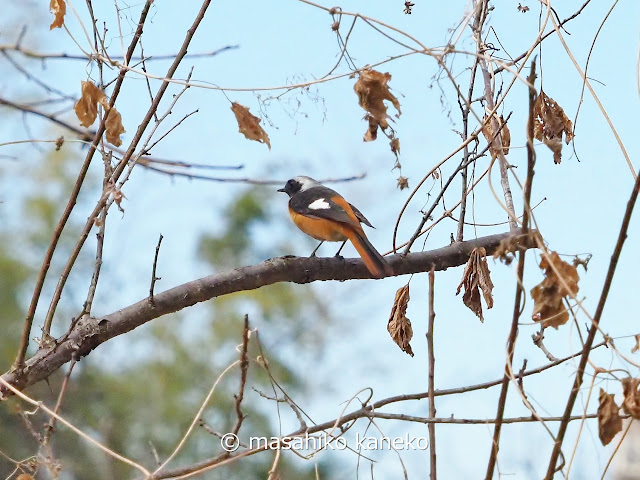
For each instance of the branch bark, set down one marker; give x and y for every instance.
(89, 332)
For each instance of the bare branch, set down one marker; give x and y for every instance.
(88, 333)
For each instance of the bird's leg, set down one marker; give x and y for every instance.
(340, 249)
(313, 254)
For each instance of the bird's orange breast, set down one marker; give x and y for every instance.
(319, 228)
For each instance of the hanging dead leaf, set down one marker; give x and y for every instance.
(509, 246)
(395, 146)
(249, 124)
(399, 326)
(372, 89)
(631, 402)
(490, 134)
(372, 132)
(476, 277)
(114, 127)
(403, 182)
(59, 9)
(609, 420)
(87, 106)
(548, 294)
(637, 345)
(550, 123)
(86, 109)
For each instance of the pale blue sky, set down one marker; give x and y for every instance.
(288, 41)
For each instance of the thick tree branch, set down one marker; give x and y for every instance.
(89, 332)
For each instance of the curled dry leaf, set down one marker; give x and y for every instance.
(372, 132)
(87, 106)
(249, 124)
(86, 109)
(59, 9)
(548, 294)
(510, 245)
(637, 345)
(403, 182)
(631, 402)
(477, 277)
(399, 326)
(609, 420)
(490, 134)
(372, 88)
(395, 146)
(114, 127)
(549, 123)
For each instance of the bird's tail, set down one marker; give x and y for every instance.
(376, 264)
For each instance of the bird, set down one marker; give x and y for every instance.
(325, 215)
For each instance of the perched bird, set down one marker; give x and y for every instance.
(323, 214)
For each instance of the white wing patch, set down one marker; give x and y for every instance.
(319, 204)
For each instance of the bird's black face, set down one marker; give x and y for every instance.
(292, 187)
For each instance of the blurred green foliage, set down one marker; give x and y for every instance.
(142, 407)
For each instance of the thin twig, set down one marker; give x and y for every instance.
(497, 140)
(244, 367)
(64, 56)
(465, 155)
(154, 277)
(63, 389)
(432, 362)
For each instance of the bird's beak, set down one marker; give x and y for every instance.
(282, 190)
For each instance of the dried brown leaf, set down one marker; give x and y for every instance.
(372, 89)
(637, 345)
(87, 106)
(114, 127)
(609, 420)
(372, 132)
(59, 9)
(550, 123)
(86, 109)
(403, 182)
(548, 307)
(631, 402)
(395, 146)
(399, 326)
(490, 134)
(249, 124)
(476, 277)
(510, 245)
